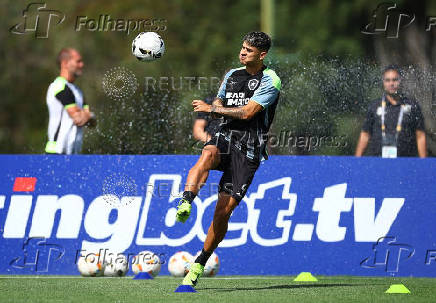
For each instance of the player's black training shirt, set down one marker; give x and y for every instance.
(238, 87)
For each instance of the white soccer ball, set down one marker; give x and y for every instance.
(91, 265)
(148, 46)
(212, 265)
(146, 261)
(116, 265)
(179, 263)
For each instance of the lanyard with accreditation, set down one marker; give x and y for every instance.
(389, 141)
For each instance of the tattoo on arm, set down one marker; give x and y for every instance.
(232, 112)
(217, 102)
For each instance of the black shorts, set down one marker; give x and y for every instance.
(238, 169)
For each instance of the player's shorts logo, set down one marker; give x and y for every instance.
(252, 84)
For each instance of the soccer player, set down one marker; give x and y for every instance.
(247, 100)
(67, 109)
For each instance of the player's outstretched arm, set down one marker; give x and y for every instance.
(243, 113)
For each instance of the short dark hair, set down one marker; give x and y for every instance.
(64, 54)
(259, 40)
(392, 67)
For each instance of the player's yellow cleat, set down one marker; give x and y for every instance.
(194, 274)
(183, 210)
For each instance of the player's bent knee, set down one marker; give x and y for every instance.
(210, 153)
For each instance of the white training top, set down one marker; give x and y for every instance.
(63, 136)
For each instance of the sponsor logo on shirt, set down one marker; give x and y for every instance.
(236, 99)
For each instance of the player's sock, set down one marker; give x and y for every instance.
(203, 257)
(189, 196)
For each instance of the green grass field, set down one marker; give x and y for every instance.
(219, 289)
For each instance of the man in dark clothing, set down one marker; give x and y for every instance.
(394, 125)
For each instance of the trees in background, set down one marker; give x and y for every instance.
(329, 71)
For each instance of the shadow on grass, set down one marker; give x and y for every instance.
(284, 286)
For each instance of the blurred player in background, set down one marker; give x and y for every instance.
(68, 112)
(205, 126)
(394, 125)
(247, 100)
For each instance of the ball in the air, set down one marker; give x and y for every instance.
(148, 46)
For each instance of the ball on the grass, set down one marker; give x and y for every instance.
(212, 265)
(179, 263)
(116, 265)
(91, 265)
(146, 261)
